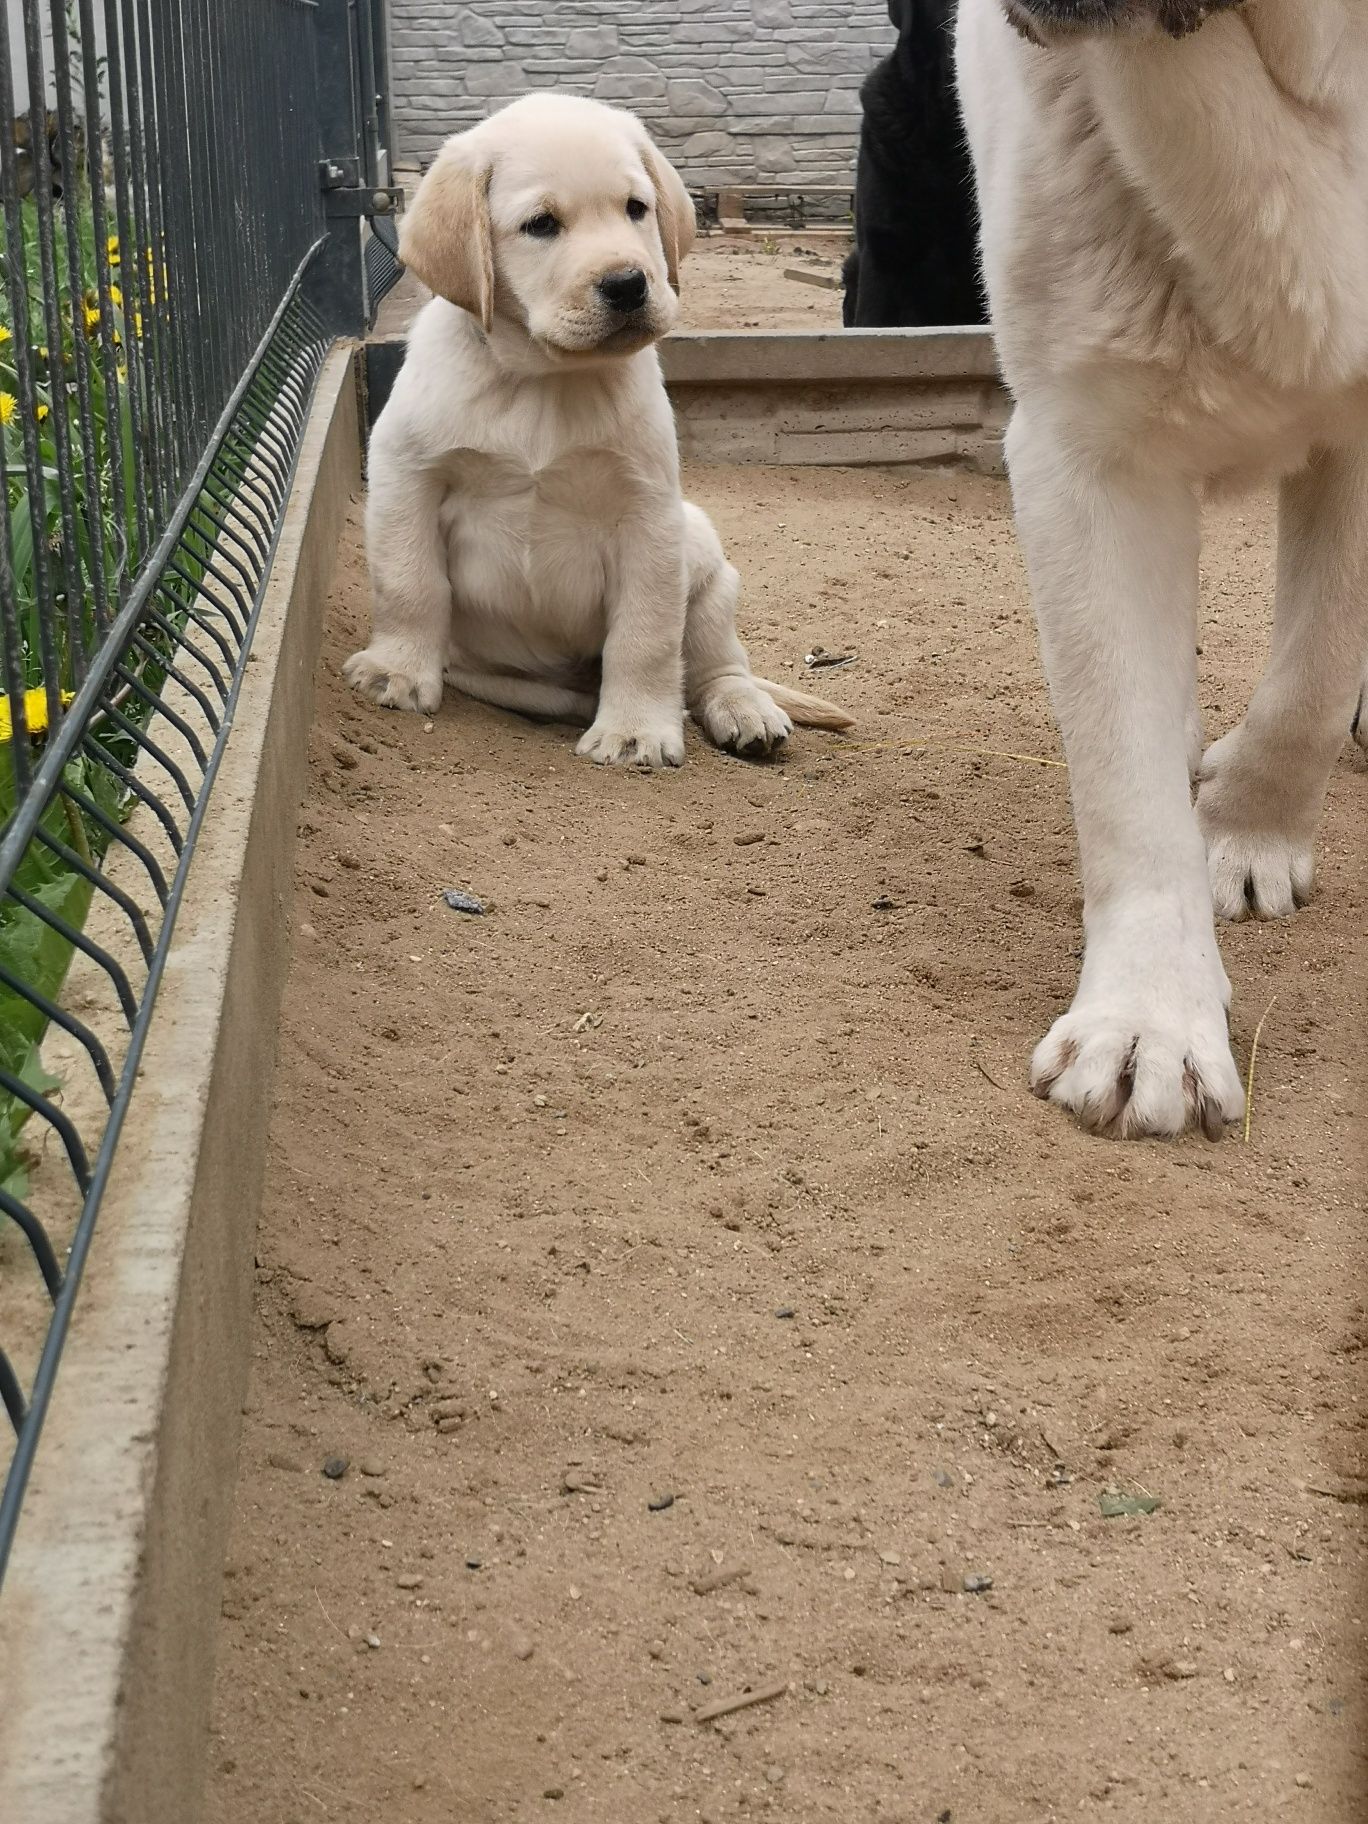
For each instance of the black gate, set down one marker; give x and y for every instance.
(196, 200)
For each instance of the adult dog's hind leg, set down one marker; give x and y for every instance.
(1264, 784)
(733, 709)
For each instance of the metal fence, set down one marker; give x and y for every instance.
(186, 192)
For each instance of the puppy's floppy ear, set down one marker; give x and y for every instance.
(445, 235)
(674, 211)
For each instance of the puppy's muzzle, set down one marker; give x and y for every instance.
(624, 292)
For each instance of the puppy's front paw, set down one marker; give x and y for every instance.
(737, 714)
(631, 740)
(1259, 829)
(394, 681)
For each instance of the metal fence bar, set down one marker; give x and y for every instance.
(165, 310)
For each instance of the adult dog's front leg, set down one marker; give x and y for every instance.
(640, 719)
(410, 586)
(1264, 784)
(1112, 554)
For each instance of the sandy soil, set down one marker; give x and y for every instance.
(743, 282)
(698, 1299)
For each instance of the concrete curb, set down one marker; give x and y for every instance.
(847, 397)
(109, 1615)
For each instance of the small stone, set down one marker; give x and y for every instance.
(890, 1558)
(291, 1465)
(335, 1468)
(371, 1466)
(1021, 889)
(1119, 1624)
(409, 1580)
(473, 1564)
(520, 1645)
(600, 874)
(1304, 1780)
(460, 901)
(749, 840)
(774, 1776)
(944, 1479)
(672, 1716)
(634, 861)
(976, 1583)
(554, 1792)
(786, 1311)
(372, 1640)
(656, 1649)
(659, 1503)
(1178, 1669)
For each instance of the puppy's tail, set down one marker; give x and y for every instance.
(808, 712)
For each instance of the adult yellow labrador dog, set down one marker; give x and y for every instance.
(525, 529)
(1174, 199)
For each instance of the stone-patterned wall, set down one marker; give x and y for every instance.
(751, 91)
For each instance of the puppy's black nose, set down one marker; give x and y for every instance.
(623, 291)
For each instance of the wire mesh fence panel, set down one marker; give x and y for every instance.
(162, 321)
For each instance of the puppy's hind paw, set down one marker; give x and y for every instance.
(737, 714)
(394, 685)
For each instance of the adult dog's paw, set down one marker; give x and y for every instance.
(394, 681)
(1135, 1068)
(646, 740)
(1260, 831)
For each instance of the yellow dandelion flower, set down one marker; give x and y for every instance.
(35, 713)
(92, 317)
(41, 351)
(5, 335)
(137, 323)
(7, 405)
(116, 297)
(42, 413)
(112, 249)
(122, 371)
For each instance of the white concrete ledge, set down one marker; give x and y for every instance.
(789, 357)
(108, 1616)
(847, 397)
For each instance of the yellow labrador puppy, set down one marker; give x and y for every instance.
(525, 529)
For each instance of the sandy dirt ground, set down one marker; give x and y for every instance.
(734, 282)
(670, 1294)
(744, 282)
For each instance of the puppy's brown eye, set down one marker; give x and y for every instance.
(636, 209)
(543, 227)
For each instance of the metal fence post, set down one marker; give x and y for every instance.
(354, 164)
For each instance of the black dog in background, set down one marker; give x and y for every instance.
(915, 259)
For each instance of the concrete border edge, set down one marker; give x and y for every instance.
(110, 1607)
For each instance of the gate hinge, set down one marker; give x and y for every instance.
(365, 199)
